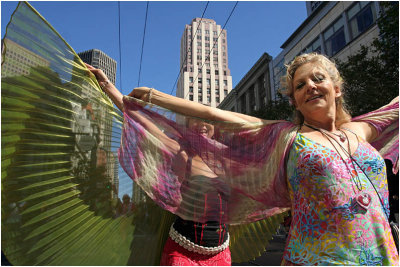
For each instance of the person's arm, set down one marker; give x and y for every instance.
(189, 108)
(107, 87)
(364, 129)
(116, 97)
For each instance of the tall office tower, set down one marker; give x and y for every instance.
(205, 77)
(100, 60)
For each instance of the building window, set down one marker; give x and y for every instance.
(217, 91)
(223, 40)
(191, 97)
(198, 43)
(208, 99)
(208, 81)
(198, 50)
(207, 38)
(208, 71)
(225, 72)
(207, 32)
(199, 70)
(216, 66)
(208, 91)
(216, 59)
(198, 31)
(225, 93)
(224, 60)
(334, 37)
(217, 99)
(225, 82)
(198, 37)
(200, 81)
(315, 46)
(223, 47)
(191, 79)
(191, 89)
(361, 16)
(215, 33)
(200, 91)
(223, 53)
(216, 72)
(207, 44)
(216, 81)
(200, 98)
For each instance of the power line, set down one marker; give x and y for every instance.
(144, 34)
(215, 42)
(186, 54)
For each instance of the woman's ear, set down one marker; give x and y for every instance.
(338, 92)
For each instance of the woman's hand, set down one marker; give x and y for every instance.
(142, 93)
(107, 86)
(100, 76)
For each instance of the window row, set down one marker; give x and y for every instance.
(200, 80)
(361, 16)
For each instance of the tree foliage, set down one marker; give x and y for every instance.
(279, 109)
(372, 74)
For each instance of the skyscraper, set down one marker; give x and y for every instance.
(205, 76)
(100, 60)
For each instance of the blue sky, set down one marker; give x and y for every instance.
(254, 28)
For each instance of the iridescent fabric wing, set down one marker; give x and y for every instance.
(386, 121)
(248, 158)
(249, 241)
(62, 185)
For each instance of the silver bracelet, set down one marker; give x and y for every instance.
(189, 245)
(150, 95)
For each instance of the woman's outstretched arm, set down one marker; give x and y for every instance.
(189, 108)
(167, 101)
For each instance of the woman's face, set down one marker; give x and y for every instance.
(314, 91)
(201, 127)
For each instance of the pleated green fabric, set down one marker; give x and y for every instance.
(62, 185)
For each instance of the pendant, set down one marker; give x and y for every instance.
(342, 137)
(364, 200)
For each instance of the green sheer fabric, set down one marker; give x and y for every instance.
(62, 184)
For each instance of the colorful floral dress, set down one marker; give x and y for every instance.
(328, 226)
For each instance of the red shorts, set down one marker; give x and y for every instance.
(175, 255)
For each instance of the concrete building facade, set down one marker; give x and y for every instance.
(336, 29)
(100, 60)
(253, 90)
(205, 77)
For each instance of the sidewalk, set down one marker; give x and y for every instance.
(271, 257)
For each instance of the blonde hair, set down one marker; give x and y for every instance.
(342, 114)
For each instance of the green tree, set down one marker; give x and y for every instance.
(371, 75)
(279, 109)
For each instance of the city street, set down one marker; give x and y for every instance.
(271, 257)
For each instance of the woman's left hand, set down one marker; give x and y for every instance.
(142, 93)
